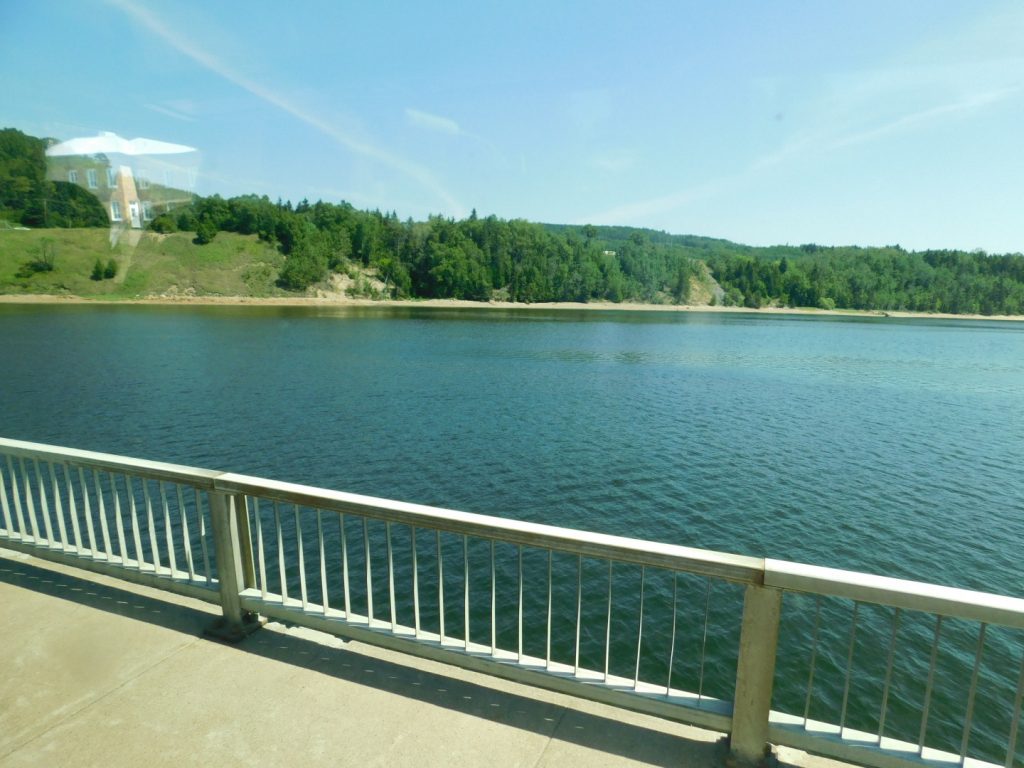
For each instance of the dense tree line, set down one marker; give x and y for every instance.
(29, 199)
(475, 258)
(875, 278)
(491, 258)
(850, 277)
(484, 258)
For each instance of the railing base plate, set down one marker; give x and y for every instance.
(731, 760)
(234, 633)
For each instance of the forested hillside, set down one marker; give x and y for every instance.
(850, 277)
(476, 258)
(875, 278)
(487, 258)
(28, 199)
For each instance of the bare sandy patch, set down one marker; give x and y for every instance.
(338, 298)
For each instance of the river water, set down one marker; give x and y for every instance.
(876, 444)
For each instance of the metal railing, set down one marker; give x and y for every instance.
(682, 633)
(920, 672)
(143, 521)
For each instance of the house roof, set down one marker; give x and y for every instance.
(110, 143)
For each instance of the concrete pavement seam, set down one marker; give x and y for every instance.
(554, 730)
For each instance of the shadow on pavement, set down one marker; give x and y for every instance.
(587, 730)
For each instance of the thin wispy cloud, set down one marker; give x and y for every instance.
(445, 125)
(924, 117)
(170, 112)
(862, 107)
(204, 58)
(868, 102)
(640, 210)
(809, 144)
(432, 122)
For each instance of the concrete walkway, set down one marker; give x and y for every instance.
(101, 672)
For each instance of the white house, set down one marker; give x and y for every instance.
(135, 179)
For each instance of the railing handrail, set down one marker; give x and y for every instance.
(152, 470)
(922, 596)
(738, 568)
(780, 574)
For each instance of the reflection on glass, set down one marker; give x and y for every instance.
(141, 178)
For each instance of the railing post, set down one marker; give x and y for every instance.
(755, 673)
(231, 540)
(244, 540)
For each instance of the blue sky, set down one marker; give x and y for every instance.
(865, 122)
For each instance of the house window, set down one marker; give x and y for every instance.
(115, 210)
(111, 178)
(147, 210)
(90, 176)
(73, 176)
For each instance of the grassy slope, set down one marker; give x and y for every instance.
(232, 265)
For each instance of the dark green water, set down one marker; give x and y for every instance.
(881, 445)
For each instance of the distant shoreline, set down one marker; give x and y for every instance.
(308, 301)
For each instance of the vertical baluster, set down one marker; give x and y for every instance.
(89, 530)
(101, 510)
(118, 522)
(151, 523)
(888, 673)
(344, 568)
(415, 586)
(1011, 741)
(391, 574)
(44, 507)
(302, 558)
(323, 561)
(547, 645)
(133, 513)
(969, 716)
(168, 530)
(704, 644)
(849, 668)
(494, 610)
(369, 572)
(672, 643)
(608, 625)
(30, 505)
(929, 685)
(640, 628)
(814, 657)
(519, 645)
(282, 572)
(186, 540)
(5, 506)
(202, 535)
(261, 550)
(58, 507)
(579, 613)
(72, 509)
(16, 496)
(440, 585)
(465, 589)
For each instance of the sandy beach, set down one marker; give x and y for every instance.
(309, 301)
